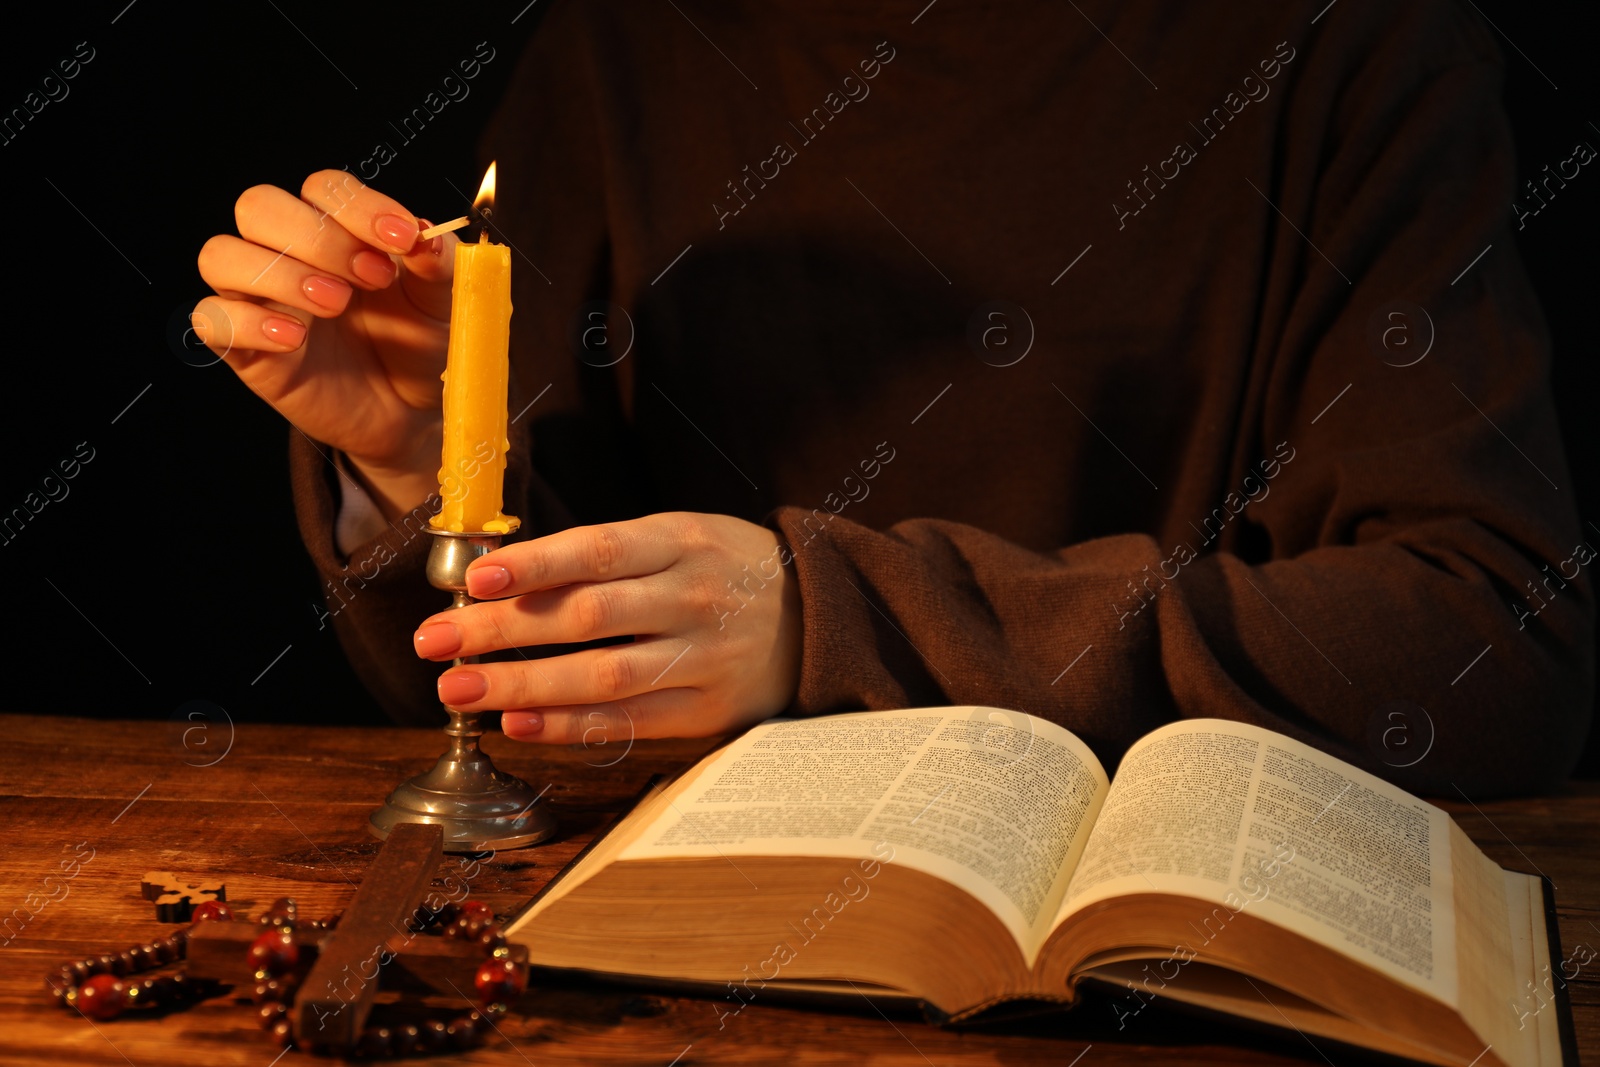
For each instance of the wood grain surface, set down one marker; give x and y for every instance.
(282, 810)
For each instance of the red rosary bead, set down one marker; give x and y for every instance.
(274, 952)
(499, 981)
(210, 911)
(102, 997)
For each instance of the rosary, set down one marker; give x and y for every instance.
(278, 956)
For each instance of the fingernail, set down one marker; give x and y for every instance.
(437, 639)
(374, 268)
(282, 331)
(487, 581)
(521, 725)
(330, 293)
(397, 232)
(436, 246)
(462, 687)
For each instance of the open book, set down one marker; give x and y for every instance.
(971, 856)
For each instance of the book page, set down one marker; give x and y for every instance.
(1246, 817)
(1535, 1004)
(995, 802)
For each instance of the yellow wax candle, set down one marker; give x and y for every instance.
(472, 468)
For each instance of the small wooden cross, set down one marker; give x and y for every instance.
(175, 898)
(371, 940)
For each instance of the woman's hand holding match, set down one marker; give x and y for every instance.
(309, 314)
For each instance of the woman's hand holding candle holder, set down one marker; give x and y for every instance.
(708, 656)
(330, 309)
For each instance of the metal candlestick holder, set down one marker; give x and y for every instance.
(479, 807)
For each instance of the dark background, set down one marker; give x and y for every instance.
(172, 571)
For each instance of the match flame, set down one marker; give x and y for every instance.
(485, 198)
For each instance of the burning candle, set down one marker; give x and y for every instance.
(477, 369)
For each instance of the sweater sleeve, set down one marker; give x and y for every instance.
(1402, 552)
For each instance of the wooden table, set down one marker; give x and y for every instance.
(284, 811)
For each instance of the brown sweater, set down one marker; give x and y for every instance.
(1082, 380)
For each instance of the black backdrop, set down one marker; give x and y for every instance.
(169, 570)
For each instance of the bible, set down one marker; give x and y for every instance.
(974, 857)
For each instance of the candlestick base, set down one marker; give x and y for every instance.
(479, 807)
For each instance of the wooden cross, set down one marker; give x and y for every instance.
(175, 898)
(371, 940)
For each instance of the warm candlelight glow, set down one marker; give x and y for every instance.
(472, 468)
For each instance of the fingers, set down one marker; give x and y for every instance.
(339, 197)
(568, 615)
(289, 253)
(593, 676)
(238, 268)
(608, 731)
(364, 213)
(232, 328)
(269, 217)
(581, 554)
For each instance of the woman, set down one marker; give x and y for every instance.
(1114, 371)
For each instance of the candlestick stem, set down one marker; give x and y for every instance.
(479, 807)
